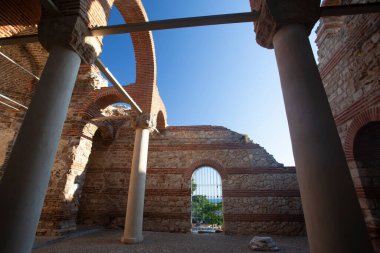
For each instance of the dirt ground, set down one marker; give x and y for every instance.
(108, 241)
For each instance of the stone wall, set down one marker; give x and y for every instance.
(259, 194)
(349, 62)
(60, 209)
(174, 154)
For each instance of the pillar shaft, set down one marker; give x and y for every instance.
(135, 206)
(332, 213)
(26, 177)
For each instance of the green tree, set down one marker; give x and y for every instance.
(206, 212)
(193, 186)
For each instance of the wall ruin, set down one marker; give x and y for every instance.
(349, 53)
(259, 194)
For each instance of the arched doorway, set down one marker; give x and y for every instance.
(367, 144)
(206, 200)
(367, 157)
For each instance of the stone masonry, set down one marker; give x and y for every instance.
(90, 176)
(259, 194)
(349, 53)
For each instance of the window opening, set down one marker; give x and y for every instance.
(206, 201)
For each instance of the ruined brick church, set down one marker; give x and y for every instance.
(69, 158)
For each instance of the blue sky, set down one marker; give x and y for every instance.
(214, 75)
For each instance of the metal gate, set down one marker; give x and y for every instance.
(206, 200)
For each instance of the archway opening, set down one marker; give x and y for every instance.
(367, 157)
(102, 201)
(367, 144)
(206, 201)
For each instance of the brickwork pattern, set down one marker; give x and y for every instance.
(61, 203)
(349, 51)
(260, 195)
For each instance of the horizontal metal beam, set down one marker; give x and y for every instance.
(117, 85)
(325, 11)
(351, 9)
(33, 38)
(176, 23)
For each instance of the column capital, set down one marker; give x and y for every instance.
(70, 32)
(144, 121)
(275, 14)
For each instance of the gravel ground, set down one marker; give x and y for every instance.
(108, 241)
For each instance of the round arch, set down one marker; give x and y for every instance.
(362, 148)
(370, 115)
(206, 199)
(133, 11)
(205, 162)
(103, 98)
(161, 120)
(108, 96)
(367, 143)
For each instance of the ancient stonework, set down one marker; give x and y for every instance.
(71, 32)
(259, 194)
(275, 14)
(349, 53)
(90, 177)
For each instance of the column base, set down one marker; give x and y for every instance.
(131, 240)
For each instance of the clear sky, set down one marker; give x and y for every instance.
(214, 75)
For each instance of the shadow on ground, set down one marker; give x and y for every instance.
(108, 241)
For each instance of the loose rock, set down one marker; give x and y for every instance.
(261, 243)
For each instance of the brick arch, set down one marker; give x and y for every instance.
(109, 95)
(161, 121)
(104, 99)
(96, 13)
(205, 162)
(106, 130)
(370, 115)
(159, 110)
(133, 11)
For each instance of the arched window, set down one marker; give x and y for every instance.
(367, 144)
(367, 157)
(206, 200)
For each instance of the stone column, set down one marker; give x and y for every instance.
(333, 217)
(26, 177)
(136, 193)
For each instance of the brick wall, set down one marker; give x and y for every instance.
(260, 195)
(61, 203)
(19, 86)
(349, 51)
